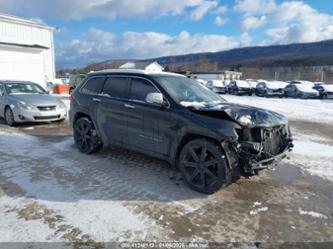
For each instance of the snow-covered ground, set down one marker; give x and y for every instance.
(295, 109)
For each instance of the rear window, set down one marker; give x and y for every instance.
(93, 85)
(117, 87)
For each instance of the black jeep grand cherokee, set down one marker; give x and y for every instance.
(174, 118)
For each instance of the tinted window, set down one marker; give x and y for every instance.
(261, 85)
(140, 89)
(93, 86)
(117, 87)
(1, 89)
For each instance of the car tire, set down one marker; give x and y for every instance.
(85, 136)
(9, 116)
(204, 166)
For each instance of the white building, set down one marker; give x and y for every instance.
(225, 75)
(152, 67)
(26, 50)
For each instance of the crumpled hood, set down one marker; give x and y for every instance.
(253, 117)
(36, 99)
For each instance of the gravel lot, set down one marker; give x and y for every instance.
(49, 192)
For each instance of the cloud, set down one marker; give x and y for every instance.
(202, 9)
(219, 21)
(110, 9)
(289, 21)
(98, 45)
(253, 22)
(255, 7)
(222, 9)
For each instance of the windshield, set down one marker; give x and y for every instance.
(24, 88)
(186, 91)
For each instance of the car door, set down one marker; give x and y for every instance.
(113, 109)
(147, 123)
(2, 100)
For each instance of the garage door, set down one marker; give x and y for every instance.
(18, 63)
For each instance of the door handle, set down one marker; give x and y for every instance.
(96, 100)
(130, 106)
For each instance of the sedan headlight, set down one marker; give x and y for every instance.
(25, 106)
(61, 105)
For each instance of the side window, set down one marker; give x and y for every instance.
(93, 85)
(1, 90)
(140, 88)
(117, 87)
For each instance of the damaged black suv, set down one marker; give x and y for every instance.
(174, 118)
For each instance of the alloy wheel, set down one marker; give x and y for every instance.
(200, 166)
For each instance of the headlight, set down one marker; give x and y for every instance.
(25, 106)
(61, 105)
(245, 120)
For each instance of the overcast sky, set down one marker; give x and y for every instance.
(97, 30)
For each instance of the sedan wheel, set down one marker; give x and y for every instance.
(85, 136)
(204, 166)
(9, 116)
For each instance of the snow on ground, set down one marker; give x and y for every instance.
(67, 208)
(295, 109)
(314, 155)
(312, 214)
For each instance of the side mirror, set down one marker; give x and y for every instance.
(155, 98)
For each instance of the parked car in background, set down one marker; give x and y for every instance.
(253, 84)
(269, 89)
(302, 82)
(175, 118)
(202, 82)
(28, 102)
(239, 87)
(75, 80)
(303, 91)
(216, 86)
(325, 91)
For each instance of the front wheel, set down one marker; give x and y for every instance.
(85, 136)
(9, 117)
(204, 166)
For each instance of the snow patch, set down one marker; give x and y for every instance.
(257, 209)
(312, 214)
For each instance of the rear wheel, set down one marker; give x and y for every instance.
(85, 136)
(204, 166)
(9, 117)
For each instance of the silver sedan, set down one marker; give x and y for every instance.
(28, 102)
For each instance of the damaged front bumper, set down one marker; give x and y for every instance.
(259, 148)
(267, 163)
